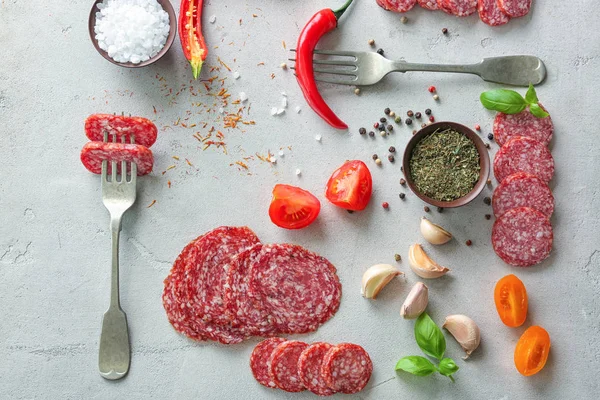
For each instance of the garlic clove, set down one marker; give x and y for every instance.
(465, 331)
(375, 278)
(433, 233)
(416, 301)
(422, 265)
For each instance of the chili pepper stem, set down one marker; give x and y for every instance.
(338, 13)
(196, 64)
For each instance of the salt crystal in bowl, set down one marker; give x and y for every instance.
(112, 25)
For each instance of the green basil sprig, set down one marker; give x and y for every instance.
(511, 102)
(431, 340)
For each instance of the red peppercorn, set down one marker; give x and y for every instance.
(431, 119)
(477, 127)
(431, 89)
(376, 125)
(385, 204)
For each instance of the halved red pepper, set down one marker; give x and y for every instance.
(190, 34)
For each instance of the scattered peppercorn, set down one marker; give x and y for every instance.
(391, 158)
(423, 125)
(408, 121)
(383, 120)
(491, 136)
(409, 113)
(362, 131)
(468, 242)
(489, 181)
(385, 204)
(397, 257)
(402, 196)
(398, 120)
(487, 200)
(487, 145)
(390, 128)
(380, 51)
(376, 125)
(392, 114)
(431, 119)
(445, 31)
(372, 134)
(357, 91)
(428, 111)
(375, 156)
(477, 127)
(387, 111)
(426, 209)
(436, 97)
(418, 115)
(402, 169)
(371, 42)
(383, 132)
(440, 209)
(404, 19)
(402, 181)
(381, 127)
(431, 89)
(392, 149)
(378, 161)
(488, 216)
(414, 132)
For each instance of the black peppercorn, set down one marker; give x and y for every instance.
(487, 200)
(402, 196)
(488, 216)
(371, 133)
(402, 181)
(387, 111)
(391, 158)
(383, 120)
(409, 113)
(445, 31)
(382, 127)
(418, 115)
(374, 157)
(392, 149)
(491, 136)
(380, 51)
(362, 131)
(440, 209)
(487, 146)
(390, 128)
(426, 209)
(428, 111)
(408, 121)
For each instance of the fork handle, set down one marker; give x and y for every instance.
(403, 66)
(115, 229)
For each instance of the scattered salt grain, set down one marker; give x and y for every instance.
(221, 110)
(298, 109)
(213, 19)
(273, 110)
(281, 153)
(298, 172)
(284, 103)
(284, 94)
(318, 138)
(243, 96)
(236, 75)
(280, 111)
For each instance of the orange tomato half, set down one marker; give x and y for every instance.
(510, 297)
(532, 351)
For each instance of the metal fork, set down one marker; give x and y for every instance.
(118, 194)
(368, 68)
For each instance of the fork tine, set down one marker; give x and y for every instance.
(336, 53)
(123, 163)
(133, 165)
(335, 62)
(335, 72)
(113, 164)
(104, 162)
(337, 81)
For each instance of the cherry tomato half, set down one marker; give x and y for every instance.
(532, 351)
(510, 297)
(350, 186)
(292, 207)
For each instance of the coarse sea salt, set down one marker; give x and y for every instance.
(131, 30)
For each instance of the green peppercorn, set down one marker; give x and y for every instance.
(398, 120)
(397, 257)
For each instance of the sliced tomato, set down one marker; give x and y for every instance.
(532, 351)
(350, 186)
(292, 207)
(510, 297)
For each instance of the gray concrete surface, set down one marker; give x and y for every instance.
(55, 246)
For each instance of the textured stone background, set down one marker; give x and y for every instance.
(55, 245)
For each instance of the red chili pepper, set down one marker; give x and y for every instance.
(190, 34)
(322, 22)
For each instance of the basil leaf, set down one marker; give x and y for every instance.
(503, 100)
(447, 367)
(531, 96)
(538, 111)
(430, 337)
(416, 365)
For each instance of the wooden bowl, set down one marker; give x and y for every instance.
(484, 163)
(166, 5)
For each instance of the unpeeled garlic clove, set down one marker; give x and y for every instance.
(433, 233)
(375, 278)
(416, 301)
(465, 331)
(422, 265)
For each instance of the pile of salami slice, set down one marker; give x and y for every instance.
(522, 202)
(491, 12)
(129, 139)
(322, 368)
(227, 286)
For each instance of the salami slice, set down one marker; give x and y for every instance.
(400, 5)
(283, 368)
(347, 368)
(143, 130)
(523, 154)
(383, 4)
(260, 360)
(300, 288)
(522, 190)
(429, 4)
(515, 8)
(460, 8)
(507, 126)
(93, 153)
(490, 13)
(309, 368)
(522, 237)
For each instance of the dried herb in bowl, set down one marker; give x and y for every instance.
(445, 165)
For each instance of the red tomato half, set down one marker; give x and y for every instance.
(350, 186)
(292, 207)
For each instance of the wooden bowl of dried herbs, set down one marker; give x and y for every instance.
(446, 164)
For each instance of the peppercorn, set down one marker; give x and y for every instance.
(490, 136)
(398, 120)
(372, 134)
(440, 209)
(392, 149)
(390, 128)
(385, 204)
(392, 114)
(414, 132)
(391, 158)
(408, 121)
(426, 209)
(468, 242)
(380, 51)
(487, 146)
(376, 125)
(489, 181)
(409, 113)
(487, 200)
(383, 132)
(404, 19)
(383, 120)
(387, 111)
(402, 169)
(445, 31)
(428, 111)
(402, 181)
(423, 125)
(477, 127)
(375, 156)
(418, 115)
(378, 161)
(488, 216)
(431, 119)
(362, 131)
(397, 257)
(357, 91)
(436, 97)
(402, 196)
(381, 127)
(371, 42)
(431, 89)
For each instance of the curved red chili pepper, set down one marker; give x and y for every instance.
(190, 34)
(322, 22)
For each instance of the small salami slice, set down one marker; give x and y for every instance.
(507, 126)
(93, 153)
(523, 154)
(283, 368)
(260, 360)
(515, 8)
(400, 5)
(522, 237)
(490, 13)
(460, 8)
(300, 288)
(429, 4)
(143, 130)
(522, 190)
(347, 368)
(309, 368)
(383, 4)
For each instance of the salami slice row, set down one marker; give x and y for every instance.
(93, 153)
(226, 286)
(322, 368)
(524, 124)
(134, 129)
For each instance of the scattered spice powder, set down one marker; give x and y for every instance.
(151, 204)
